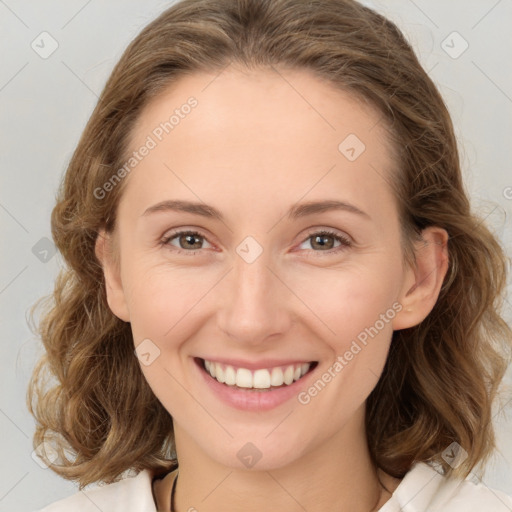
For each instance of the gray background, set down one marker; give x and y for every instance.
(45, 103)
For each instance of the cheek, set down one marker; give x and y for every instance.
(351, 301)
(160, 299)
(163, 309)
(358, 306)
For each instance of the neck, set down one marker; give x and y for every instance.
(335, 475)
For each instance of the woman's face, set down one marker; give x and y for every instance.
(257, 161)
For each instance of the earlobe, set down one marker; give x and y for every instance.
(422, 284)
(113, 285)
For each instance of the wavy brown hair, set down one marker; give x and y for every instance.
(90, 399)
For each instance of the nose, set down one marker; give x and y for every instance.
(255, 303)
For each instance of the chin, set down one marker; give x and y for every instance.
(257, 453)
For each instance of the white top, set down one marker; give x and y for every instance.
(422, 489)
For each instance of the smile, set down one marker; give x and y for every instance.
(258, 379)
(254, 386)
(264, 378)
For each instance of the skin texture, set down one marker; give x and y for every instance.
(257, 143)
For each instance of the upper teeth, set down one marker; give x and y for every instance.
(260, 379)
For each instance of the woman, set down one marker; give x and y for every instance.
(271, 298)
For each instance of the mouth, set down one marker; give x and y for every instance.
(256, 380)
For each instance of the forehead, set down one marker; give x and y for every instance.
(260, 132)
(293, 100)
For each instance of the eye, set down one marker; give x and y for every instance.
(325, 241)
(190, 242)
(187, 242)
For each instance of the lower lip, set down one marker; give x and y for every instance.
(251, 399)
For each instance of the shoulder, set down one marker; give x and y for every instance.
(131, 493)
(424, 489)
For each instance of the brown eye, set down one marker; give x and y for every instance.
(322, 241)
(325, 241)
(190, 241)
(185, 241)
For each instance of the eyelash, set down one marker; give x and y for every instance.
(345, 242)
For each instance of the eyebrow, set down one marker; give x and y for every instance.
(295, 212)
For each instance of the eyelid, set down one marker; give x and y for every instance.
(330, 231)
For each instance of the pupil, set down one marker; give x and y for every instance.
(190, 238)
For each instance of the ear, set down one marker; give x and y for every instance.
(105, 251)
(423, 283)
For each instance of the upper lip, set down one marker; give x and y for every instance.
(258, 365)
